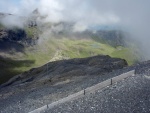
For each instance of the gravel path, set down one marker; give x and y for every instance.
(131, 95)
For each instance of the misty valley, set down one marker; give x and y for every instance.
(74, 56)
(38, 43)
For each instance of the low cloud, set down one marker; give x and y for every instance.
(131, 15)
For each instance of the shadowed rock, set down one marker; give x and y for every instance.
(62, 70)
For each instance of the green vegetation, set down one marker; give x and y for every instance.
(125, 53)
(75, 48)
(1, 26)
(84, 48)
(9, 68)
(30, 31)
(57, 49)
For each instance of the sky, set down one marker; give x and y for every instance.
(4, 4)
(133, 15)
(67, 10)
(16, 2)
(84, 12)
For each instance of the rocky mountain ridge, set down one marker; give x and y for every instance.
(53, 71)
(53, 81)
(38, 42)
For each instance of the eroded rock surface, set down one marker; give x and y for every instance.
(56, 80)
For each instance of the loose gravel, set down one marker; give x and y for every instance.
(19, 99)
(127, 96)
(131, 95)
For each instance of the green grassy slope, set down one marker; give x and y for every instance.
(125, 53)
(58, 49)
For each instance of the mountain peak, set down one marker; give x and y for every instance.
(36, 11)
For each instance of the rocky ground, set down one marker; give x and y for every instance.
(54, 81)
(128, 96)
(51, 82)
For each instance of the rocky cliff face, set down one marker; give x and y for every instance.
(25, 34)
(18, 36)
(12, 35)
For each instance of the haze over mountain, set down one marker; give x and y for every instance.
(130, 15)
(50, 49)
(41, 31)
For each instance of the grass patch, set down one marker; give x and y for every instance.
(67, 48)
(125, 53)
(30, 31)
(1, 26)
(10, 68)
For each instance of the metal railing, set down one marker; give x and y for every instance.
(86, 91)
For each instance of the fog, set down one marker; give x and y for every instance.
(130, 15)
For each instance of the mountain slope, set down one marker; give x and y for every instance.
(57, 49)
(129, 95)
(55, 80)
(38, 43)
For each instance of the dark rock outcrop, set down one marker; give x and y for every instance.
(18, 36)
(64, 69)
(56, 80)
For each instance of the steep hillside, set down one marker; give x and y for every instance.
(55, 80)
(96, 65)
(56, 49)
(38, 43)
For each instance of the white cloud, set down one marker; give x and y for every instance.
(64, 10)
(79, 27)
(131, 14)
